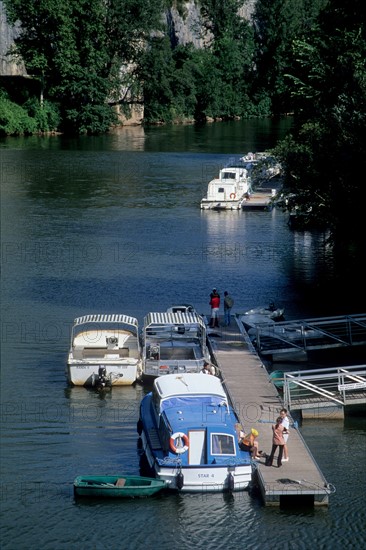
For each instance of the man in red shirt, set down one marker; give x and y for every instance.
(215, 305)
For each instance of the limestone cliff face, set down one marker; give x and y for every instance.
(187, 28)
(8, 66)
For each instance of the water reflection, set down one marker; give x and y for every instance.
(100, 225)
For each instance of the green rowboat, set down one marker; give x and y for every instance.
(117, 486)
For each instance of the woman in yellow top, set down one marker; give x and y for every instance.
(249, 443)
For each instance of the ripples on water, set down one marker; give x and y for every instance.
(91, 227)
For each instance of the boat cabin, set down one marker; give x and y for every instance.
(194, 408)
(229, 190)
(104, 335)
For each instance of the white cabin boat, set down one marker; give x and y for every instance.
(230, 190)
(233, 188)
(104, 351)
(173, 342)
(190, 435)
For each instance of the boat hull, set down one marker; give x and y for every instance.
(86, 374)
(200, 479)
(104, 351)
(118, 486)
(223, 205)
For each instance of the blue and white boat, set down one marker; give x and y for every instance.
(189, 435)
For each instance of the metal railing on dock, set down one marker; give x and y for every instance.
(322, 388)
(310, 334)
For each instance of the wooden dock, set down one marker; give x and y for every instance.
(260, 199)
(258, 404)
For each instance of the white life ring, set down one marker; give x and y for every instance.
(233, 195)
(179, 450)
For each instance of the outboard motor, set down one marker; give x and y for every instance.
(102, 380)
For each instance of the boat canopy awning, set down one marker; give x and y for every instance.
(111, 318)
(177, 318)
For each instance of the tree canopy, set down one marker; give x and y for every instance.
(325, 156)
(77, 48)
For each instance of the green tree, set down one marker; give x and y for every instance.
(228, 67)
(157, 74)
(325, 156)
(277, 24)
(77, 48)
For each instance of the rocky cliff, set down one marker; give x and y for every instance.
(187, 27)
(9, 66)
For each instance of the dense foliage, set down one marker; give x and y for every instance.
(181, 82)
(77, 48)
(90, 55)
(325, 157)
(278, 23)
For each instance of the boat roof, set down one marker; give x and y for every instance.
(189, 384)
(176, 318)
(111, 318)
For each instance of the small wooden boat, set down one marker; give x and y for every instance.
(117, 486)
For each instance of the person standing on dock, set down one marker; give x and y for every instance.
(228, 304)
(277, 441)
(215, 305)
(286, 424)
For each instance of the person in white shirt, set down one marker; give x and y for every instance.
(208, 368)
(286, 425)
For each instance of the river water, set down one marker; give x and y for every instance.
(113, 224)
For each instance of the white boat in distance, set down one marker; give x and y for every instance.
(233, 188)
(230, 189)
(263, 314)
(104, 351)
(173, 342)
(189, 435)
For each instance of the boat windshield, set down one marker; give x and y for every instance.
(222, 444)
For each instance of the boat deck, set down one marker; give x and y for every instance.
(258, 403)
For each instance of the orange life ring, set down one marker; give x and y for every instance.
(233, 195)
(179, 450)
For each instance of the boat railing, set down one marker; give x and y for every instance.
(177, 366)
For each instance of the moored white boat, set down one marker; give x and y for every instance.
(173, 342)
(189, 435)
(104, 351)
(229, 190)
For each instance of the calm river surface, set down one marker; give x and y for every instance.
(113, 224)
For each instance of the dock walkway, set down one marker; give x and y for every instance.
(259, 200)
(258, 403)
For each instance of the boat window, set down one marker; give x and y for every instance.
(229, 176)
(222, 444)
(221, 190)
